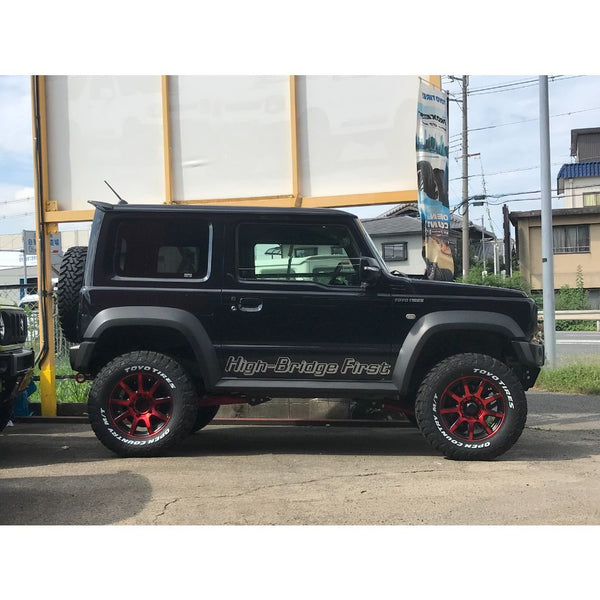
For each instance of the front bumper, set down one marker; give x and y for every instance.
(16, 362)
(529, 354)
(530, 357)
(16, 371)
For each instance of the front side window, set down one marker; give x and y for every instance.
(159, 248)
(571, 239)
(316, 253)
(397, 251)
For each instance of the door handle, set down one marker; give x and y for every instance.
(250, 304)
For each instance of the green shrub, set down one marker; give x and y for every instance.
(514, 282)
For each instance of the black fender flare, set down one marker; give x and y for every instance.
(433, 323)
(159, 316)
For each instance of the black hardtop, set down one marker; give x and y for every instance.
(223, 210)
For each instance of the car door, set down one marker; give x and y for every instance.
(293, 306)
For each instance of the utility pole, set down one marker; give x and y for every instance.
(465, 180)
(547, 238)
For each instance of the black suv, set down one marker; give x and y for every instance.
(180, 309)
(16, 362)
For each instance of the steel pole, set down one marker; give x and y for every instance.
(547, 237)
(465, 181)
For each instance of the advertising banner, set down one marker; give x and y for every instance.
(432, 177)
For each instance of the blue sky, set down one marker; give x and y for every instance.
(504, 132)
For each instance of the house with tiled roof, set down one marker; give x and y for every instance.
(397, 235)
(575, 228)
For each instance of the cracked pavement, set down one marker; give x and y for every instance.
(263, 475)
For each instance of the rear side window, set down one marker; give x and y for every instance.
(161, 248)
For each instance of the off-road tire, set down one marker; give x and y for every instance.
(204, 416)
(70, 280)
(471, 407)
(5, 414)
(142, 403)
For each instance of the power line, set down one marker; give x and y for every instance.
(505, 172)
(517, 85)
(573, 112)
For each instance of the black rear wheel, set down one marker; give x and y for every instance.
(471, 407)
(142, 403)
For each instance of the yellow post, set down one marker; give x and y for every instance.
(47, 362)
(436, 80)
(48, 359)
(294, 139)
(164, 82)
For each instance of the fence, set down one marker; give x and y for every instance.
(575, 315)
(15, 293)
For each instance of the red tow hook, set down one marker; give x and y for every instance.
(81, 378)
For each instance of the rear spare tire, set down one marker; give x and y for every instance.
(471, 407)
(70, 280)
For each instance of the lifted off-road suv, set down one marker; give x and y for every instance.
(16, 362)
(177, 310)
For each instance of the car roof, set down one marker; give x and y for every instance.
(223, 210)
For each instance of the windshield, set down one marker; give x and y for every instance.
(373, 247)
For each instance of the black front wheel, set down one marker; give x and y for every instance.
(142, 403)
(471, 407)
(204, 416)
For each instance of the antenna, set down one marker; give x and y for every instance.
(121, 201)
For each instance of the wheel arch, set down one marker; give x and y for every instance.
(173, 331)
(438, 335)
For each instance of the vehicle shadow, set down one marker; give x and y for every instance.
(534, 445)
(73, 499)
(35, 445)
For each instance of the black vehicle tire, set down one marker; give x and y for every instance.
(142, 403)
(204, 416)
(70, 280)
(471, 407)
(5, 414)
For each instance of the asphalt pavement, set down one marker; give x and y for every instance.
(572, 346)
(58, 473)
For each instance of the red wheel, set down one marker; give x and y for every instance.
(471, 407)
(140, 405)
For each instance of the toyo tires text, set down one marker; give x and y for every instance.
(142, 403)
(471, 407)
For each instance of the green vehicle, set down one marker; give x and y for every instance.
(16, 362)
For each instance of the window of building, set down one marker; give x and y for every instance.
(570, 239)
(591, 199)
(326, 254)
(397, 251)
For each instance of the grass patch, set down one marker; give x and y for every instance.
(576, 378)
(67, 390)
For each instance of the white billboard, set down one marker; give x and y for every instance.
(219, 138)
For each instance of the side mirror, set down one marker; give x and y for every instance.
(370, 271)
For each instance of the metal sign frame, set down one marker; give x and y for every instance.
(48, 215)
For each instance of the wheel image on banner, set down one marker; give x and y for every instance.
(471, 407)
(142, 403)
